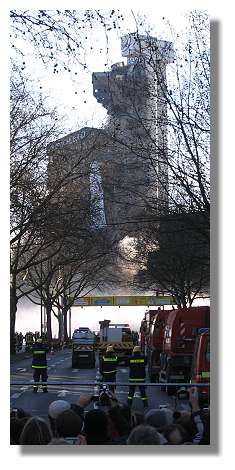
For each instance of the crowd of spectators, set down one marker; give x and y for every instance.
(115, 424)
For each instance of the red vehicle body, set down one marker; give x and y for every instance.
(200, 372)
(145, 329)
(154, 340)
(180, 333)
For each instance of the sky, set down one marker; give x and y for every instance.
(29, 316)
(222, 274)
(72, 92)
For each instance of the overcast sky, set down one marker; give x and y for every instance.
(72, 92)
(28, 316)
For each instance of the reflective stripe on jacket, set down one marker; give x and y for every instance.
(39, 356)
(109, 365)
(137, 364)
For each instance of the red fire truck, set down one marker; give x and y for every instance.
(151, 334)
(180, 334)
(200, 372)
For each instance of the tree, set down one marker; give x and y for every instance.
(32, 125)
(78, 268)
(40, 203)
(179, 264)
(59, 38)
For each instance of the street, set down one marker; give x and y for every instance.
(60, 370)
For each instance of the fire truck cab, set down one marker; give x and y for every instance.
(200, 372)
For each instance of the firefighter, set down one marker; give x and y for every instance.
(36, 335)
(45, 340)
(29, 340)
(16, 341)
(135, 338)
(137, 363)
(108, 366)
(20, 340)
(39, 364)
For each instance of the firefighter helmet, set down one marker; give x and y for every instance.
(39, 340)
(136, 349)
(109, 349)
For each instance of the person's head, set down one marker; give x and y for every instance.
(35, 431)
(126, 412)
(185, 420)
(96, 427)
(136, 350)
(186, 415)
(175, 434)
(137, 417)
(206, 435)
(78, 410)
(144, 435)
(68, 424)
(159, 418)
(16, 427)
(119, 423)
(55, 409)
(19, 413)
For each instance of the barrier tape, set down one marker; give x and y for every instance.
(122, 384)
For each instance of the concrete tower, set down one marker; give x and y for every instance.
(134, 96)
(123, 166)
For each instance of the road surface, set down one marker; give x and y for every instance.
(59, 370)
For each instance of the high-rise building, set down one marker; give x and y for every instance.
(122, 169)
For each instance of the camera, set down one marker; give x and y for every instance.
(182, 394)
(102, 396)
(14, 413)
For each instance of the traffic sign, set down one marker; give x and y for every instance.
(124, 300)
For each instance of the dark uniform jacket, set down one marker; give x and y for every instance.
(29, 338)
(108, 367)
(137, 363)
(39, 351)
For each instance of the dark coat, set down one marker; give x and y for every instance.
(137, 363)
(108, 366)
(39, 351)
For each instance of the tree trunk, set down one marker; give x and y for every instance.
(48, 314)
(183, 301)
(13, 310)
(60, 320)
(65, 315)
